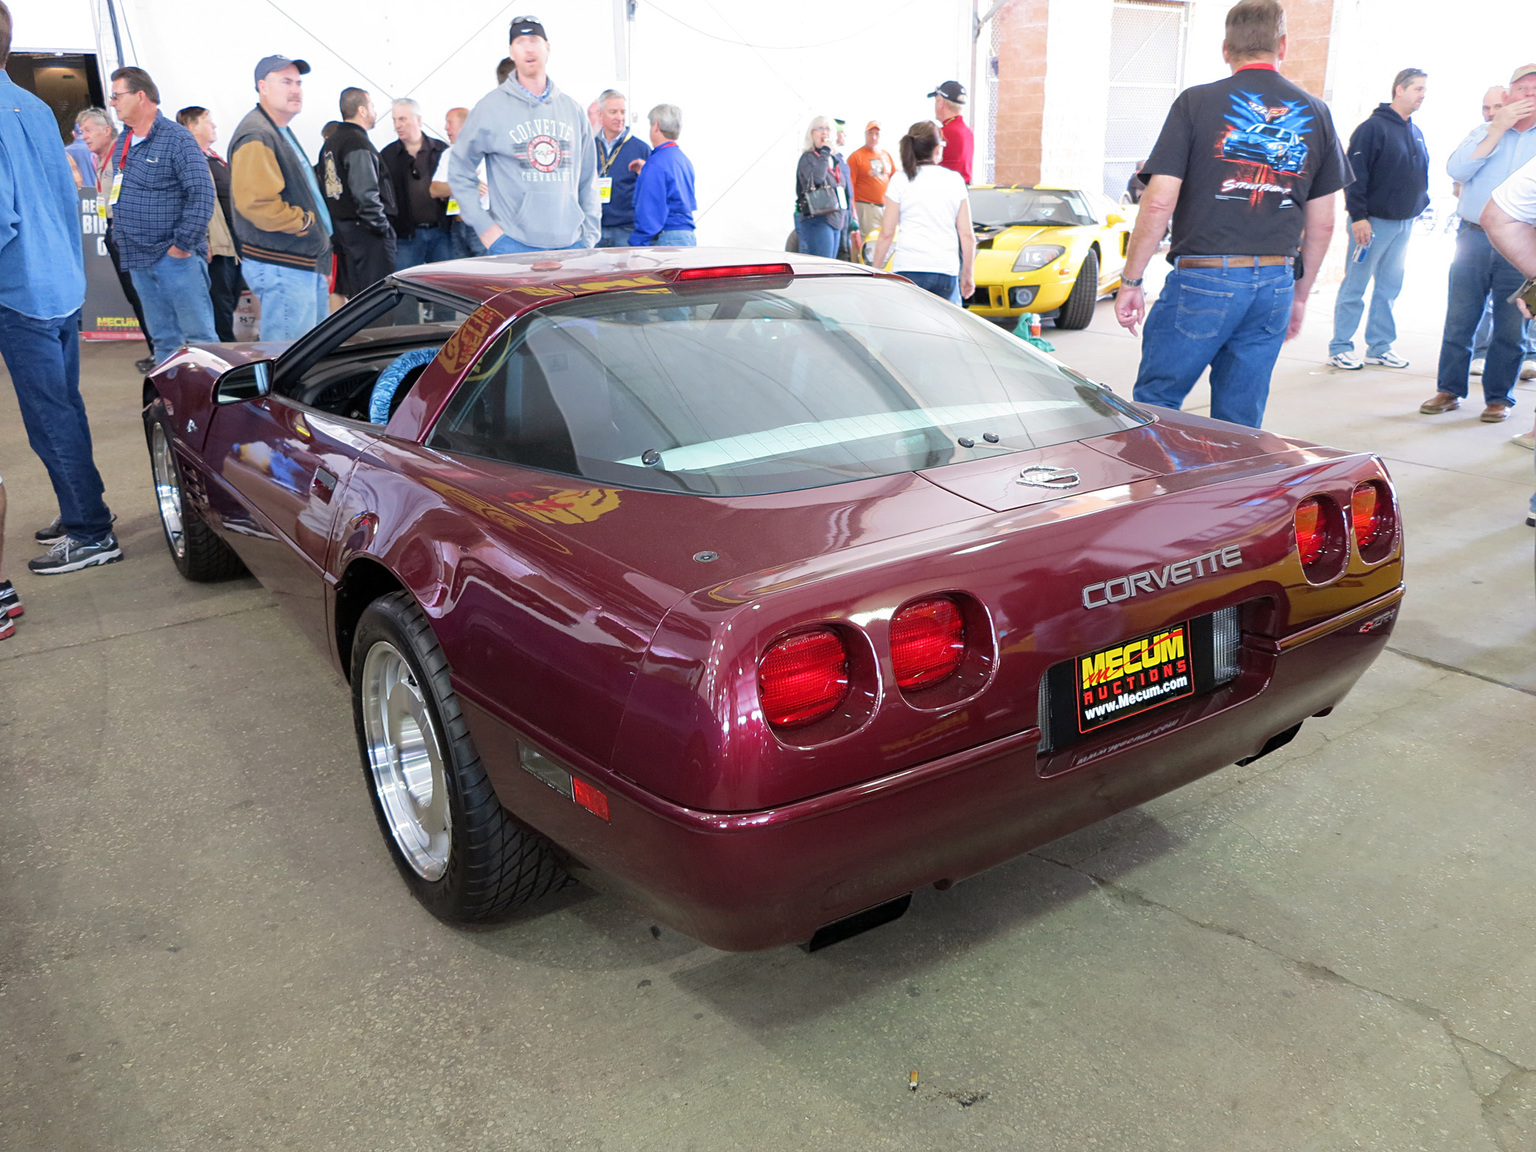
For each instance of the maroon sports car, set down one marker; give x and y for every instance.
(759, 592)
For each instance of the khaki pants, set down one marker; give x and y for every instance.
(869, 215)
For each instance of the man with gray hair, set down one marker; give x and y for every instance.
(664, 200)
(618, 149)
(423, 228)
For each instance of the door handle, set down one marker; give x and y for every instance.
(323, 485)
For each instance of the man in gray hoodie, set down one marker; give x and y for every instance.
(540, 162)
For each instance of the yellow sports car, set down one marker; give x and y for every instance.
(1046, 250)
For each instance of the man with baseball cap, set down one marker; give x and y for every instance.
(872, 170)
(959, 143)
(280, 216)
(540, 161)
(1485, 159)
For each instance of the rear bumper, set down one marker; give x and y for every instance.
(743, 881)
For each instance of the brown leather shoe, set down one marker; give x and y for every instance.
(1495, 414)
(1440, 402)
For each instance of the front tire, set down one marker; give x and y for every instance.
(1077, 312)
(195, 547)
(460, 852)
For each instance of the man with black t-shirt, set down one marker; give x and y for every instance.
(1249, 168)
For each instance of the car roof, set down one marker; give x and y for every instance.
(528, 276)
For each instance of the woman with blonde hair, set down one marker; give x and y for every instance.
(927, 220)
(821, 198)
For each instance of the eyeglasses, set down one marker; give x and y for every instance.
(116, 96)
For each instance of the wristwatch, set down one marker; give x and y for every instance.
(1127, 282)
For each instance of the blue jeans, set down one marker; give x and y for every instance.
(423, 246)
(1477, 272)
(1384, 261)
(177, 306)
(817, 237)
(465, 243)
(292, 300)
(616, 237)
(1484, 336)
(676, 238)
(942, 286)
(43, 357)
(1232, 319)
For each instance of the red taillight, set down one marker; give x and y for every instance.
(1366, 514)
(1311, 532)
(803, 677)
(927, 642)
(735, 270)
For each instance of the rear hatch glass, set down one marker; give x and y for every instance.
(753, 387)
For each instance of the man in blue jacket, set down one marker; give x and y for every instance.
(42, 286)
(1391, 188)
(617, 150)
(664, 200)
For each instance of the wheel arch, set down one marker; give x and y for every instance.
(363, 582)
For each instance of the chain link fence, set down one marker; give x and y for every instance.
(1146, 72)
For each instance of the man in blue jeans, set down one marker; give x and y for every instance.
(664, 200)
(1391, 188)
(1489, 155)
(42, 287)
(162, 197)
(1249, 168)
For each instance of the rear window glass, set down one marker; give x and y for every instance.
(732, 390)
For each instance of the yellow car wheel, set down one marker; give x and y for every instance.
(1077, 312)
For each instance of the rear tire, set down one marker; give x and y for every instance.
(459, 851)
(1077, 312)
(195, 547)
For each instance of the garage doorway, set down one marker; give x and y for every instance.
(1146, 72)
(68, 82)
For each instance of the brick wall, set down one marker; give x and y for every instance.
(1021, 60)
(1308, 26)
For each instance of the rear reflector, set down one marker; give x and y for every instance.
(589, 797)
(728, 271)
(1311, 533)
(1366, 514)
(802, 677)
(927, 642)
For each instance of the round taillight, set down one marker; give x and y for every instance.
(1311, 532)
(1367, 515)
(802, 677)
(927, 642)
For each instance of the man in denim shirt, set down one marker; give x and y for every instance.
(42, 286)
(163, 198)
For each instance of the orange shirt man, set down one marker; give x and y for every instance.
(872, 170)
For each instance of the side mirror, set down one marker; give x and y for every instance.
(247, 382)
(1114, 218)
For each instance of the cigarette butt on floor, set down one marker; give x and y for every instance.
(912, 1079)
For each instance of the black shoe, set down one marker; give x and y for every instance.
(1530, 521)
(144, 366)
(55, 531)
(71, 555)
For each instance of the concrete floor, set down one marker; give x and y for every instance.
(203, 943)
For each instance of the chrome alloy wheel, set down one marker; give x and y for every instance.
(406, 759)
(167, 489)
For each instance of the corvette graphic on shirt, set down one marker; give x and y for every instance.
(1268, 144)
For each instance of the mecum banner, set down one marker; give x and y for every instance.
(106, 315)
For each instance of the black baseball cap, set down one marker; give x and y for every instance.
(951, 90)
(268, 64)
(526, 26)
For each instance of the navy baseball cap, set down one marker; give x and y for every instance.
(268, 64)
(951, 90)
(526, 26)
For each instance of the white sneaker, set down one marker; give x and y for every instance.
(1477, 368)
(1388, 359)
(1525, 440)
(1528, 370)
(1345, 361)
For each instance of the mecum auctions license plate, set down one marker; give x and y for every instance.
(1134, 676)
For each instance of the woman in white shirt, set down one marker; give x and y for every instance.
(927, 220)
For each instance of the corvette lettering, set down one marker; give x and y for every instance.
(1151, 579)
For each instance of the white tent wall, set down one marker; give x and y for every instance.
(748, 77)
